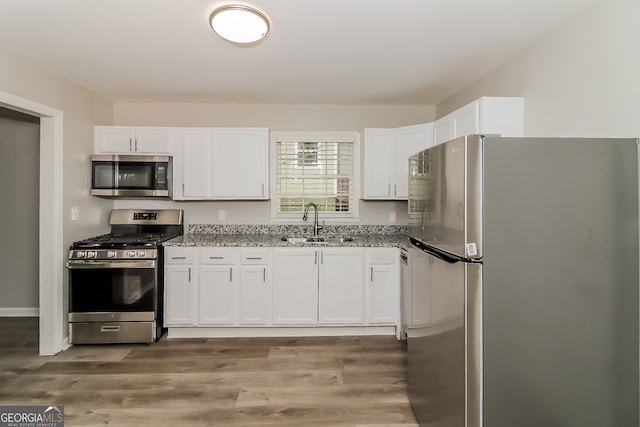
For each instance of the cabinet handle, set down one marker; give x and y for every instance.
(315, 260)
(322, 257)
(216, 257)
(136, 145)
(255, 257)
(371, 275)
(130, 144)
(395, 190)
(231, 274)
(263, 190)
(264, 274)
(189, 274)
(178, 257)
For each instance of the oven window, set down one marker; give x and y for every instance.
(106, 290)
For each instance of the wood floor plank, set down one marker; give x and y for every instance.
(284, 381)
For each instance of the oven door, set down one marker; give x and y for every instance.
(112, 290)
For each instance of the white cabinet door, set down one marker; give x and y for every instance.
(153, 141)
(386, 159)
(222, 164)
(466, 120)
(408, 141)
(114, 139)
(382, 283)
(253, 295)
(217, 295)
(133, 140)
(382, 294)
(179, 295)
(180, 286)
(240, 163)
(341, 290)
(295, 286)
(378, 172)
(195, 172)
(443, 130)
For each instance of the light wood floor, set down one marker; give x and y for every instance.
(333, 381)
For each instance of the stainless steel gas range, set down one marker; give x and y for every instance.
(116, 279)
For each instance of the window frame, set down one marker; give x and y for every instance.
(353, 137)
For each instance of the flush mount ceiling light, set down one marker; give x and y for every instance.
(239, 24)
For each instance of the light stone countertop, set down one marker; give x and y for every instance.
(274, 240)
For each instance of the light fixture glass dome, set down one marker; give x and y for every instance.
(239, 24)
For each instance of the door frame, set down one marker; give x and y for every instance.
(50, 250)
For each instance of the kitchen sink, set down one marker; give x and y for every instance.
(317, 239)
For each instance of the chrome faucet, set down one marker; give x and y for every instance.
(316, 227)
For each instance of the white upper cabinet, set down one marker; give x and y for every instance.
(240, 163)
(378, 169)
(133, 140)
(222, 164)
(386, 154)
(487, 115)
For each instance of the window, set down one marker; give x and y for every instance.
(318, 167)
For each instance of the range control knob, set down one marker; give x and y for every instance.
(131, 254)
(80, 254)
(141, 253)
(91, 254)
(111, 254)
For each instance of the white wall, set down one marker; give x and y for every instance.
(581, 80)
(276, 118)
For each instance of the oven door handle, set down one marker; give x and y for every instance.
(83, 265)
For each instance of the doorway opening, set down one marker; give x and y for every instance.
(50, 223)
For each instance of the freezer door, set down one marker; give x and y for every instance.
(445, 196)
(436, 349)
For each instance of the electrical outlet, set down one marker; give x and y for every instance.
(75, 213)
(392, 217)
(221, 215)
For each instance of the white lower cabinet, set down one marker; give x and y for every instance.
(321, 286)
(180, 291)
(382, 266)
(341, 286)
(221, 287)
(295, 286)
(217, 290)
(254, 287)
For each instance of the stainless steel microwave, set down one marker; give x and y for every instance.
(131, 176)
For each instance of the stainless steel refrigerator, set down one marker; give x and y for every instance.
(529, 284)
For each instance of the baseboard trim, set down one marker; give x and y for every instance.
(19, 312)
(246, 332)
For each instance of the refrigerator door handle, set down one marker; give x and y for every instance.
(444, 256)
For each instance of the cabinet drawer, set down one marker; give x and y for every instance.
(382, 255)
(254, 256)
(178, 255)
(218, 256)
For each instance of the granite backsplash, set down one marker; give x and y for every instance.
(295, 230)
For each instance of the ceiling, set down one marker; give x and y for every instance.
(360, 52)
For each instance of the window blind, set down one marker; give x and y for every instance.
(317, 170)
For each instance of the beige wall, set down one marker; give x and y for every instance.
(581, 80)
(80, 109)
(276, 118)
